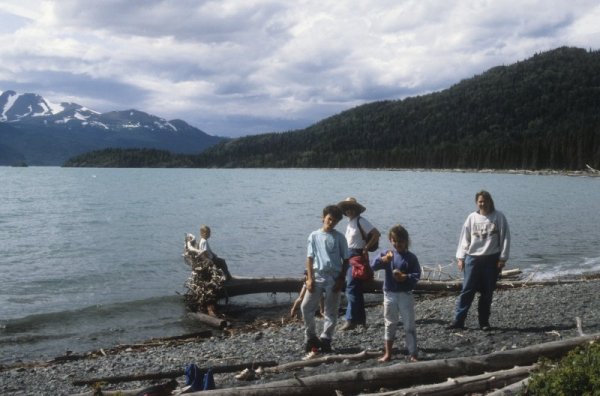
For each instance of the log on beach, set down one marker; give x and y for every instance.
(405, 375)
(210, 320)
(231, 368)
(242, 286)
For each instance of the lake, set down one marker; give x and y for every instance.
(93, 257)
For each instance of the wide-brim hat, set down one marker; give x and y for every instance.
(351, 203)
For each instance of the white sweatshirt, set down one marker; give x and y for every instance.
(484, 235)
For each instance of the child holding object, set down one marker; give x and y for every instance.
(203, 249)
(326, 266)
(402, 272)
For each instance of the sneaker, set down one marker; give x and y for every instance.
(455, 325)
(312, 344)
(349, 325)
(245, 375)
(325, 345)
(311, 355)
(485, 327)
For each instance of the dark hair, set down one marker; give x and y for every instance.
(400, 234)
(334, 211)
(487, 196)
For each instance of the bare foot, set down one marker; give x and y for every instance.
(384, 358)
(212, 310)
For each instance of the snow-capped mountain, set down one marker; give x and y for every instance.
(17, 107)
(38, 132)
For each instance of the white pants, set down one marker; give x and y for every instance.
(396, 304)
(311, 303)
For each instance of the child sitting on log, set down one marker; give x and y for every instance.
(204, 249)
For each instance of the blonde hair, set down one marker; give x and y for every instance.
(204, 229)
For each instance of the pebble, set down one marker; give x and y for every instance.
(520, 317)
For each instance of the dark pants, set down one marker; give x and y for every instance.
(222, 265)
(355, 311)
(481, 275)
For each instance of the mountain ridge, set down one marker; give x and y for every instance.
(37, 132)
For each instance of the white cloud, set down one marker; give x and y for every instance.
(231, 67)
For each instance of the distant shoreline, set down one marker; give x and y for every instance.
(540, 172)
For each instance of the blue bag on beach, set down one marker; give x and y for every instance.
(209, 380)
(193, 377)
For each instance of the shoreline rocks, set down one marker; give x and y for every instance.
(520, 317)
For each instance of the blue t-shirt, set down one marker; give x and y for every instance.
(328, 250)
(406, 262)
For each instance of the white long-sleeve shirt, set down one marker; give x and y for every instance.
(484, 235)
(203, 246)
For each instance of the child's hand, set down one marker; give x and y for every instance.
(399, 276)
(388, 257)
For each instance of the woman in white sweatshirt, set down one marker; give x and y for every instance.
(482, 252)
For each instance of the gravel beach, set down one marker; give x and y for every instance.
(520, 317)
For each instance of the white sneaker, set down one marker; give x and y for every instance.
(245, 375)
(311, 355)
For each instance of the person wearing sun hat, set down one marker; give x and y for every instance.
(361, 235)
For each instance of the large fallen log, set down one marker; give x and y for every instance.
(240, 286)
(403, 375)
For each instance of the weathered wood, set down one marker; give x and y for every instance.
(464, 385)
(320, 360)
(231, 368)
(512, 389)
(404, 375)
(130, 392)
(241, 286)
(511, 273)
(210, 320)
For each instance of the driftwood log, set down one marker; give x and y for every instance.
(465, 385)
(404, 375)
(241, 286)
(231, 368)
(323, 359)
(210, 320)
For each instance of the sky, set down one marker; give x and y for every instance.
(242, 67)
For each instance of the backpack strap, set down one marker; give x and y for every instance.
(362, 232)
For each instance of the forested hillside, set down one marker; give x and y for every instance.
(540, 113)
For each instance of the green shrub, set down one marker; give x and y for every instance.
(578, 373)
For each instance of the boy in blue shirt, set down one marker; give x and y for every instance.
(326, 266)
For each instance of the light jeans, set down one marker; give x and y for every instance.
(396, 305)
(310, 304)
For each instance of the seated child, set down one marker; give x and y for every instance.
(204, 249)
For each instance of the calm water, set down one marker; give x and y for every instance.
(92, 257)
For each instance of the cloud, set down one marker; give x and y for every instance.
(233, 68)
